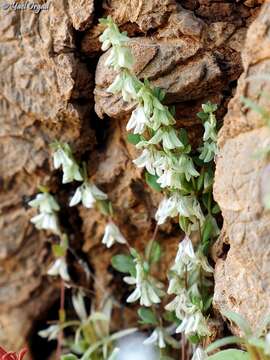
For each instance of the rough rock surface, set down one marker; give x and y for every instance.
(242, 282)
(48, 61)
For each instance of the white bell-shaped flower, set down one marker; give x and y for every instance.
(138, 121)
(168, 207)
(45, 202)
(51, 333)
(194, 324)
(62, 156)
(147, 159)
(79, 306)
(87, 193)
(59, 268)
(168, 137)
(112, 235)
(47, 221)
(156, 338)
(147, 289)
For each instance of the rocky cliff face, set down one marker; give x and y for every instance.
(51, 65)
(242, 278)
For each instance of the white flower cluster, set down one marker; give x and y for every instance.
(165, 155)
(47, 219)
(209, 149)
(87, 193)
(148, 290)
(184, 283)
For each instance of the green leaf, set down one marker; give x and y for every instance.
(202, 115)
(147, 316)
(152, 181)
(239, 321)
(123, 263)
(207, 229)
(216, 209)
(222, 342)
(183, 136)
(153, 252)
(133, 139)
(69, 357)
(231, 354)
(58, 250)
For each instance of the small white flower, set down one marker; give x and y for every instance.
(147, 289)
(59, 268)
(138, 121)
(51, 333)
(199, 354)
(45, 202)
(79, 306)
(88, 194)
(185, 258)
(125, 83)
(168, 137)
(185, 166)
(62, 156)
(181, 304)
(147, 159)
(188, 206)
(161, 116)
(112, 235)
(156, 338)
(194, 324)
(112, 36)
(208, 151)
(119, 57)
(46, 221)
(167, 208)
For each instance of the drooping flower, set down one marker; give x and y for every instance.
(47, 218)
(181, 305)
(168, 137)
(59, 268)
(157, 338)
(147, 289)
(46, 221)
(168, 207)
(195, 323)
(125, 83)
(208, 151)
(63, 157)
(45, 202)
(111, 35)
(112, 235)
(87, 193)
(79, 306)
(119, 57)
(185, 258)
(161, 116)
(185, 166)
(147, 159)
(51, 333)
(138, 121)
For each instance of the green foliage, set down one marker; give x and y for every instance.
(147, 316)
(151, 180)
(124, 263)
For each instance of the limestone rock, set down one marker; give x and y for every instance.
(242, 282)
